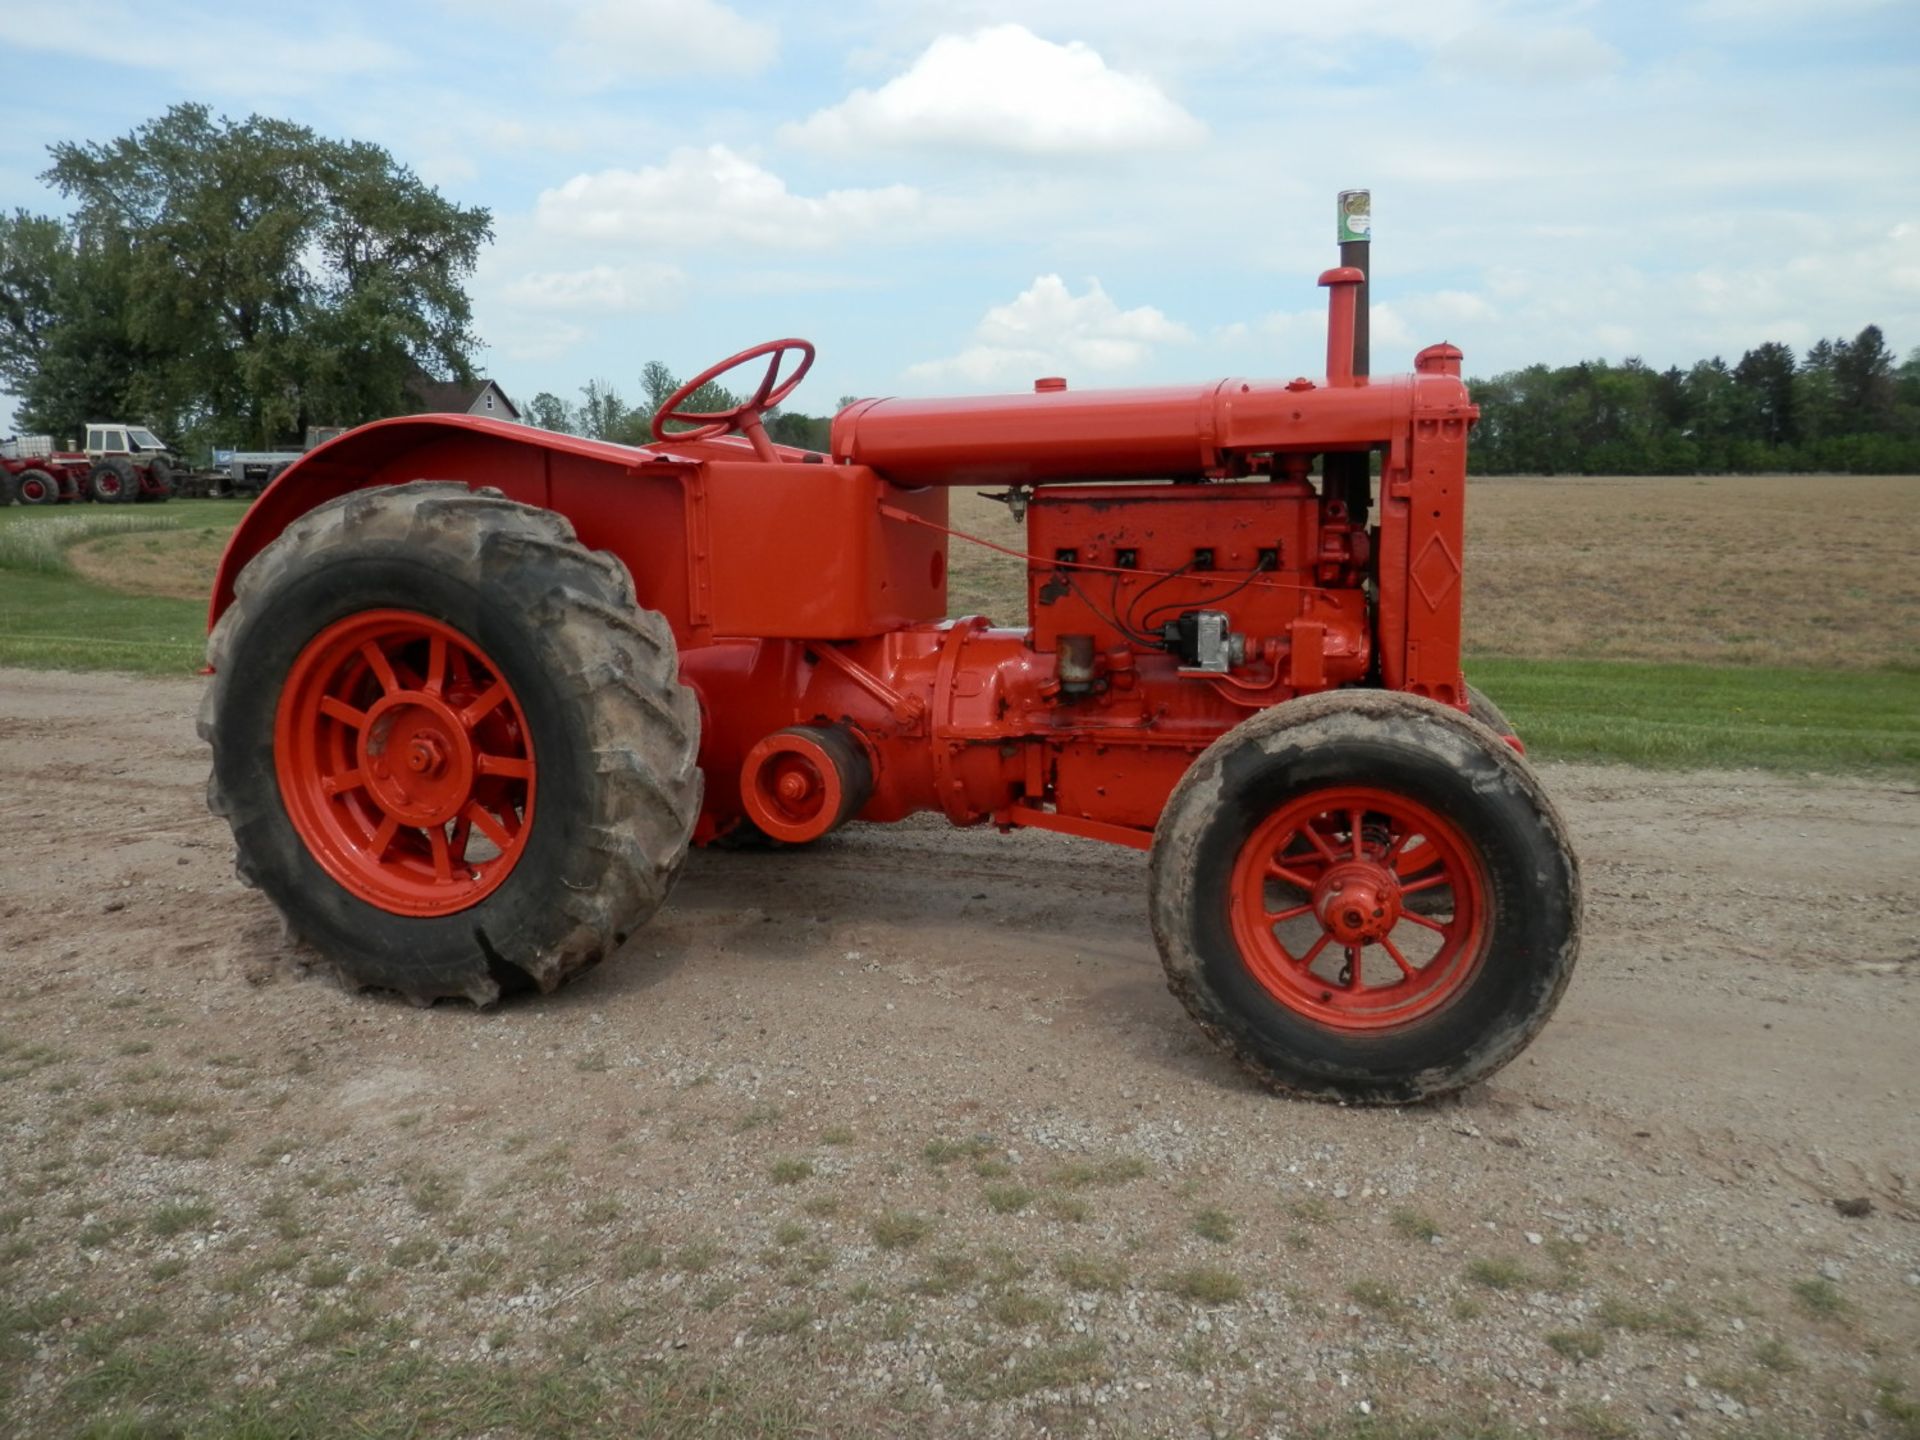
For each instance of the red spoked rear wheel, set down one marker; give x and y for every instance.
(405, 762)
(1358, 908)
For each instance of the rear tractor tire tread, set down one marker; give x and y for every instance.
(634, 794)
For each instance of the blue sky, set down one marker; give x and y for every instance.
(959, 195)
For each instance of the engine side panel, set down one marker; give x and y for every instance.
(1116, 562)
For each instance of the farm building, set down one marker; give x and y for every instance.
(450, 397)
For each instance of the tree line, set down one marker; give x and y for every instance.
(602, 413)
(232, 282)
(1843, 406)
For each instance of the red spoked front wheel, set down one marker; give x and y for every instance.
(405, 762)
(1365, 896)
(1358, 908)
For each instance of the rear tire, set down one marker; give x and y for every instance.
(1256, 869)
(113, 482)
(606, 735)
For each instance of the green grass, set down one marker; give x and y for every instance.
(58, 622)
(51, 619)
(1694, 716)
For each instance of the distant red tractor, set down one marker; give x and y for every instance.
(34, 473)
(477, 687)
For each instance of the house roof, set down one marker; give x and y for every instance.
(450, 397)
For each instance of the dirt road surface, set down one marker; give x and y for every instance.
(904, 1134)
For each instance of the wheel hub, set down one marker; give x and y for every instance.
(796, 784)
(1357, 907)
(418, 758)
(1358, 902)
(405, 762)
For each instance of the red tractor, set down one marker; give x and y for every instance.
(477, 688)
(34, 473)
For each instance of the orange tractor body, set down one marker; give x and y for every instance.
(1201, 562)
(810, 590)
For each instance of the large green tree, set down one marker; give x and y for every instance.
(235, 280)
(1765, 378)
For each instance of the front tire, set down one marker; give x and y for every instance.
(1364, 896)
(1480, 707)
(452, 749)
(35, 487)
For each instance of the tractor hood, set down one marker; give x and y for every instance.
(1164, 432)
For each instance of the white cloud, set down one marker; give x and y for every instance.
(1004, 88)
(515, 133)
(611, 42)
(1532, 54)
(1294, 342)
(1447, 307)
(534, 341)
(1571, 306)
(1048, 329)
(1315, 35)
(700, 197)
(597, 288)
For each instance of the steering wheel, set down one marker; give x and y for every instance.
(744, 417)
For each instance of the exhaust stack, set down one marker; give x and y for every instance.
(1356, 241)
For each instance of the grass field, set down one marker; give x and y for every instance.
(1767, 621)
(53, 617)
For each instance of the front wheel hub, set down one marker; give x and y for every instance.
(1358, 902)
(1359, 908)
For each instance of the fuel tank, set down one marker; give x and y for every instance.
(1156, 433)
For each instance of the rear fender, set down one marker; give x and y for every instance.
(620, 498)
